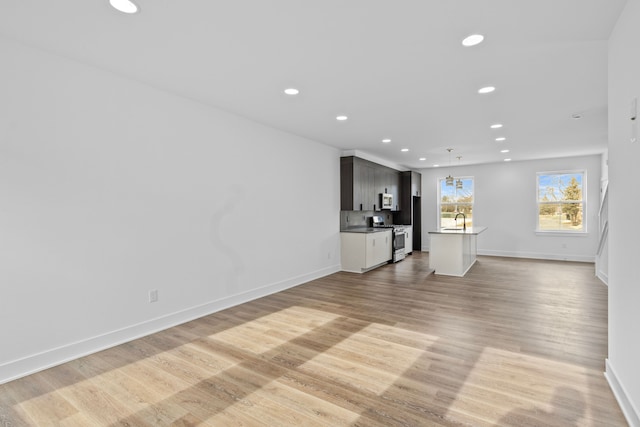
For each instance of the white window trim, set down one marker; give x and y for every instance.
(563, 233)
(439, 204)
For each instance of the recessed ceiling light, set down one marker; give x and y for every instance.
(291, 91)
(422, 159)
(486, 89)
(404, 150)
(436, 166)
(386, 140)
(496, 126)
(507, 160)
(504, 151)
(341, 118)
(124, 6)
(576, 116)
(502, 138)
(472, 40)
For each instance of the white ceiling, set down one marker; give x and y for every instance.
(396, 68)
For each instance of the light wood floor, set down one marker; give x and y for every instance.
(515, 342)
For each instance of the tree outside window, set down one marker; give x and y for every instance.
(561, 203)
(455, 200)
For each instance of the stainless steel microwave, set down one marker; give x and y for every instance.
(387, 201)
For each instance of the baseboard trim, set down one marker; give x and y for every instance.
(628, 409)
(603, 277)
(532, 255)
(56, 356)
(535, 255)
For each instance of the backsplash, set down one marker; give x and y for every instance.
(362, 218)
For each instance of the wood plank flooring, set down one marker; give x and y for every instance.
(515, 342)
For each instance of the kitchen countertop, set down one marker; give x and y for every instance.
(469, 230)
(365, 230)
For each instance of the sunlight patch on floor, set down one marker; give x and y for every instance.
(275, 329)
(364, 361)
(276, 403)
(515, 382)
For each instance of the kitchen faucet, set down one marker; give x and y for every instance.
(464, 220)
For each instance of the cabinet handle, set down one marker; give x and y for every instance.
(360, 206)
(374, 207)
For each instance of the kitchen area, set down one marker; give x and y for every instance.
(380, 214)
(381, 222)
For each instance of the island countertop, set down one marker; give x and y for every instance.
(459, 230)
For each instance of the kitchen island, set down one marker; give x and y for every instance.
(453, 251)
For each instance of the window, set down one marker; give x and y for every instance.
(561, 202)
(453, 199)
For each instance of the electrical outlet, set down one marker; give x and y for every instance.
(329, 255)
(564, 246)
(153, 295)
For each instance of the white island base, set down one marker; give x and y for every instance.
(453, 252)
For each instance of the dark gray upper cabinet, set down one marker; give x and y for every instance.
(381, 180)
(394, 188)
(410, 187)
(357, 190)
(362, 182)
(366, 197)
(347, 185)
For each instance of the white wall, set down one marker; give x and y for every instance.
(110, 188)
(623, 364)
(604, 168)
(505, 202)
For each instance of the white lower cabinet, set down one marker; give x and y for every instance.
(361, 252)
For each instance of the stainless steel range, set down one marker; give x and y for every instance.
(398, 237)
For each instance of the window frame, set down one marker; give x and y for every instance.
(439, 204)
(565, 232)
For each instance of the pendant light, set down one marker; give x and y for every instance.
(459, 181)
(449, 179)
